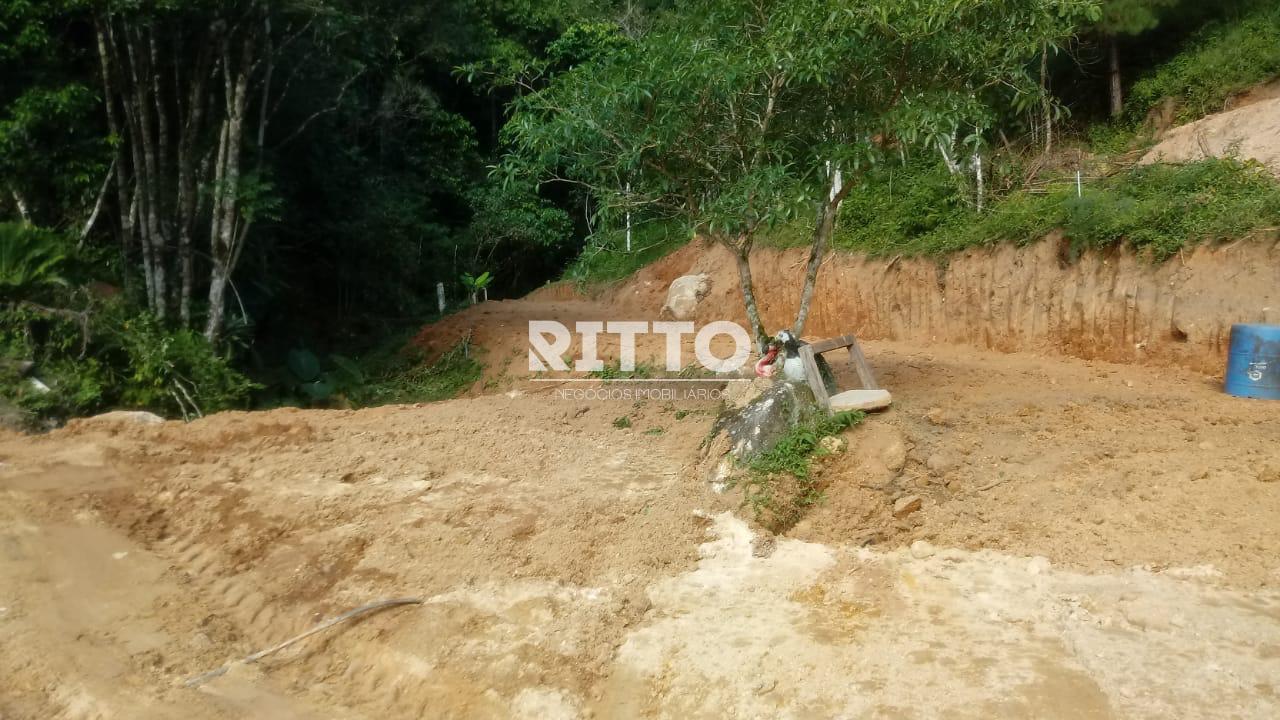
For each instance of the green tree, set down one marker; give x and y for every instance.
(742, 115)
(1120, 18)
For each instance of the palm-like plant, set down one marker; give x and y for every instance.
(29, 259)
(475, 284)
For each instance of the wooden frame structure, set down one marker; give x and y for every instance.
(857, 361)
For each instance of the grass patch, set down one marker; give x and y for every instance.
(622, 423)
(779, 486)
(1222, 59)
(1159, 209)
(613, 371)
(403, 379)
(606, 259)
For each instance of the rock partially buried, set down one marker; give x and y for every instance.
(684, 295)
(907, 505)
(742, 432)
(131, 417)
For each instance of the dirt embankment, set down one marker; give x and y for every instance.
(1251, 129)
(1110, 305)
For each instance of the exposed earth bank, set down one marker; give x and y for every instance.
(1111, 305)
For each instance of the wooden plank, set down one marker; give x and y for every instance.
(823, 346)
(862, 367)
(814, 377)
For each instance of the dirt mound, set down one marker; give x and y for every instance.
(1250, 131)
(1092, 537)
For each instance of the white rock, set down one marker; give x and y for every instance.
(921, 550)
(684, 295)
(861, 400)
(1038, 565)
(136, 417)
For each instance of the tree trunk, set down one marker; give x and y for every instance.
(141, 70)
(823, 228)
(742, 255)
(188, 203)
(225, 250)
(1046, 102)
(1113, 75)
(24, 210)
(124, 202)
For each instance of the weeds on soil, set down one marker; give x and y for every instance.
(779, 486)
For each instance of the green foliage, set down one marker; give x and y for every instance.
(614, 371)
(304, 365)
(1130, 17)
(405, 378)
(126, 360)
(606, 259)
(792, 453)
(474, 283)
(779, 486)
(1224, 58)
(895, 204)
(622, 423)
(1159, 209)
(30, 258)
(175, 372)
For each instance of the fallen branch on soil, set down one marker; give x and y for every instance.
(993, 483)
(255, 657)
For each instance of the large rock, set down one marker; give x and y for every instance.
(743, 432)
(684, 295)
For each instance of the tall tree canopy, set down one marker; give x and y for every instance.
(741, 115)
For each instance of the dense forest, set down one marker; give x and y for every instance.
(208, 204)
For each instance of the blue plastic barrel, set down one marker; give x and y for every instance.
(1253, 362)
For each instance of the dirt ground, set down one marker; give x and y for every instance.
(1095, 541)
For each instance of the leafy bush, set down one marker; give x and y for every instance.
(175, 372)
(1224, 58)
(900, 202)
(117, 359)
(29, 259)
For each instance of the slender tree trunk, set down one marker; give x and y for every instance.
(24, 210)
(163, 186)
(225, 250)
(155, 233)
(134, 110)
(217, 271)
(1113, 76)
(97, 206)
(124, 203)
(188, 203)
(1046, 102)
(824, 227)
(742, 256)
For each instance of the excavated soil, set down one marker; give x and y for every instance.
(1094, 539)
